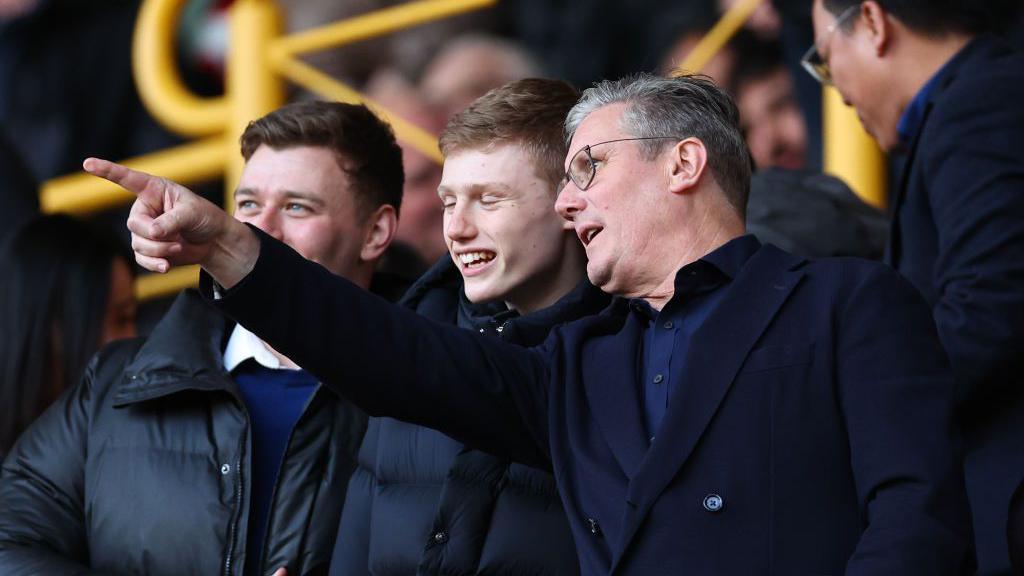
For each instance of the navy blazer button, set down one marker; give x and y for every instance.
(440, 536)
(713, 503)
(595, 528)
(225, 469)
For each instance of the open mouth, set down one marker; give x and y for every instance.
(587, 235)
(471, 260)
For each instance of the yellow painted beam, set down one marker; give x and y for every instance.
(850, 153)
(175, 280)
(155, 67)
(376, 23)
(253, 88)
(309, 77)
(718, 36)
(81, 193)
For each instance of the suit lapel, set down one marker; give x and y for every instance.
(716, 353)
(610, 381)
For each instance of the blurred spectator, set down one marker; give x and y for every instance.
(719, 67)
(928, 80)
(18, 190)
(469, 66)
(770, 116)
(67, 291)
(420, 225)
(765, 21)
(813, 215)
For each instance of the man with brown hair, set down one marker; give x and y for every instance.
(421, 502)
(201, 449)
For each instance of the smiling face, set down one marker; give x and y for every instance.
(619, 217)
(301, 196)
(501, 230)
(859, 72)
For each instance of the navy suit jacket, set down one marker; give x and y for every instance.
(958, 236)
(812, 433)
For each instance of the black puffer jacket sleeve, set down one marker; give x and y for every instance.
(42, 525)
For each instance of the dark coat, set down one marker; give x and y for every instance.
(143, 467)
(958, 236)
(813, 435)
(421, 502)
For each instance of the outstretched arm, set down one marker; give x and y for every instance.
(387, 360)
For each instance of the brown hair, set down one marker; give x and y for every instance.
(529, 112)
(363, 144)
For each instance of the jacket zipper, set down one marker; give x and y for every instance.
(233, 531)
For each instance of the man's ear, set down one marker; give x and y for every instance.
(687, 162)
(877, 25)
(381, 227)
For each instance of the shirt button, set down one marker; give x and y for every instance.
(669, 325)
(225, 469)
(713, 503)
(440, 536)
(658, 378)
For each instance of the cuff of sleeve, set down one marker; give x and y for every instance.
(270, 249)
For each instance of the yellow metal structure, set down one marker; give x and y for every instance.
(252, 87)
(719, 35)
(81, 193)
(160, 86)
(850, 153)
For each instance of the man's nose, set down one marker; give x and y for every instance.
(570, 201)
(459, 225)
(269, 221)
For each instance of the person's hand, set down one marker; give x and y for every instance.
(281, 572)
(171, 226)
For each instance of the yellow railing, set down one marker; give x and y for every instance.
(260, 58)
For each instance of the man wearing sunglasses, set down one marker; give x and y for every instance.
(737, 410)
(929, 84)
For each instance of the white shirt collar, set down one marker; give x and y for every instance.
(243, 345)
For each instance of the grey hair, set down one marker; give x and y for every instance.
(684, 107)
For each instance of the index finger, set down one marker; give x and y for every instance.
(146, 186)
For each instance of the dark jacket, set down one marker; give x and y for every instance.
(812, 435)
(958, 236)
(143, 467)
(422, 502)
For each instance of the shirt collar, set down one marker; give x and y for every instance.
(729, 258)
(714, 269)
(243, 345)
(913, 116)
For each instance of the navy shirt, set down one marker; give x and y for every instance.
(668, 333)
(912, 117)
(275, 400)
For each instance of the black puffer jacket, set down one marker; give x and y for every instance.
(422, 503)
(143, 467)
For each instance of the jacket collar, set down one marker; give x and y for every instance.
(184, 352)
(442, 285)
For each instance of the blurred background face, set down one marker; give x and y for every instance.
(500, 226)
(119, 317)
(772, 122)
(301, 196)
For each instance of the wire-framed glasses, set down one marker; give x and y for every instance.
(582, 167)
(812, 60)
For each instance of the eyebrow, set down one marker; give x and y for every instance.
(287, 194)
